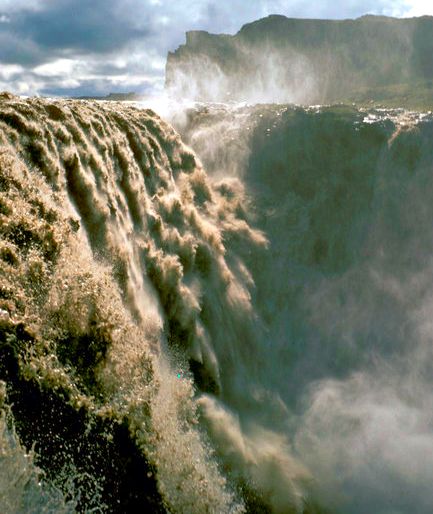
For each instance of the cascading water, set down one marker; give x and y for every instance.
(110, 231)
(250, 336)
(343, 292)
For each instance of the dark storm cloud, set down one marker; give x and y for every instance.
(98, 26)
(16, 48)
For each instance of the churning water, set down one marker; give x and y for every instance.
(246, 328)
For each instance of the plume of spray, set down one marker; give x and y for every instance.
(340, 397)
(272, 76)
(281, 60)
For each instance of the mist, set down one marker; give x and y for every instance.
(284, 60)
(338, 381)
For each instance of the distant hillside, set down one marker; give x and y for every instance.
(279, 59)
(114, 97)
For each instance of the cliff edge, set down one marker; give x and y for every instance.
(279, 59)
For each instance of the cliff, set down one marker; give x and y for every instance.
(279, 59)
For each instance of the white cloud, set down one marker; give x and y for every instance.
(8, 71)
(12, 6)
(57, 68)
(418, 7)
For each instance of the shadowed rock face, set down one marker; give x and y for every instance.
(278, 59)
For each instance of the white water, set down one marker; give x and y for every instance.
(337, 380)
(293, 279)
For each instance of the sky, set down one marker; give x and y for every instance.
(94, 47)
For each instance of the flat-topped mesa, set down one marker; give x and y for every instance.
(279, 59)
(195, 37)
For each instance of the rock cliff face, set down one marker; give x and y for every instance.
(278, 59)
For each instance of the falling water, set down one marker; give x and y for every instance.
(246, 330)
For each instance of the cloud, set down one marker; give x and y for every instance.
(417, 8)
(332, 9)
(91, 27)
(66, 44)
(368, 437)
